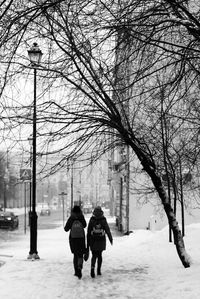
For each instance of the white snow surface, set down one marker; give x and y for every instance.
(141, 265)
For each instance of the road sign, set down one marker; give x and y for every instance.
(25, 174)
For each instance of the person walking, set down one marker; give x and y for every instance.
(76, 224)
(97, 230)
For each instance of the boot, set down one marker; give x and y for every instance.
(98, 271)
(99, 266)
(76, 272)
(79, 273)
(92, 273)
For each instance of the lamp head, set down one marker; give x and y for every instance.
(35, 54)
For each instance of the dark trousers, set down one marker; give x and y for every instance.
(78, 261)
(96, 255)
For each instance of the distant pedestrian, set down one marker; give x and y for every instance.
(98, 228)
(76, 224)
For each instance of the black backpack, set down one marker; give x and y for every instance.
(98, 231)
(77, 230)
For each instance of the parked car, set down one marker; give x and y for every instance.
(8, 220)
(45, 211)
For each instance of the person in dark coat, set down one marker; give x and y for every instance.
(97, 241)
(77, 245)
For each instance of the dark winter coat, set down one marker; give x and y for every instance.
(98, 244)
(77, 246)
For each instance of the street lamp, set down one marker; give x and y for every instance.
(63, 204)
(6, 180)
(35, 55)
(30, 140)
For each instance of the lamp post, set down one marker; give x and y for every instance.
(6, 180)
(30, 140)
(35, 55)
(72, 184)
(63, 205)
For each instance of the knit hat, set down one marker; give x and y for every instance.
(98, 212)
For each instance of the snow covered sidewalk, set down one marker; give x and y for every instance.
(141, 265)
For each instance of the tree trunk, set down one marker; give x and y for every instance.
(182, 201)
(178, 238)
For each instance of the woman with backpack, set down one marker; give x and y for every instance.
(96, 238)
(76, 224)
